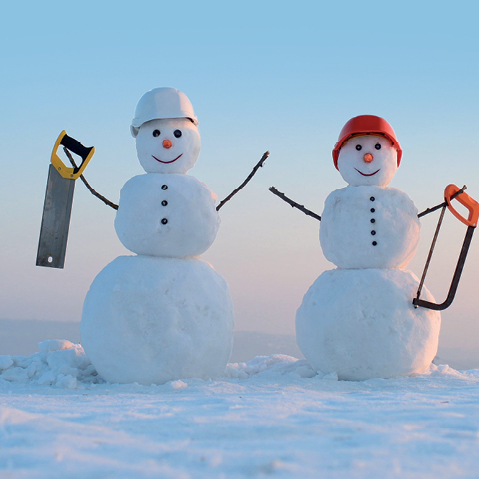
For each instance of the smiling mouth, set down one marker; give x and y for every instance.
(171, 160)
(366, 174)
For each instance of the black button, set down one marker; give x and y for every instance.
(164, 187)
(164, 202)
(372, 210)
(372, 232)
(373, 220)
(164, 221)
(375, 243)
(372, 198)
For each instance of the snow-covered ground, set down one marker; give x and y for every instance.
(270, 417)
(21, 337)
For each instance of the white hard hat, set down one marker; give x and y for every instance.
(162, 103)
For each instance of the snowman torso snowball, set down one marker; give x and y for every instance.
(167, 215)
(367, 225)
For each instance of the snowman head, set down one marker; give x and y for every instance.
(368, 160)
(165, 128)
(367, 151)
(168, 145)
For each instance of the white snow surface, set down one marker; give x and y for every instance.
(270, 417)
(166, 215)
(361, 324)
(356, 216)
(150, 319)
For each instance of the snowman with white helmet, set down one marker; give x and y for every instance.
(163, 314)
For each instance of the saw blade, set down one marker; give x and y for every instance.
(56, 220)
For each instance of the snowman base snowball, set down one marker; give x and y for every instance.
(361, 324)
(152, 319)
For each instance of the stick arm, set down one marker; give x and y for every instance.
(85, 182)
(245, 182)
(294, 204)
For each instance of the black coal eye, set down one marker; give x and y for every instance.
(177, 133)
(377, 146)
(359, 147)
(156, 133)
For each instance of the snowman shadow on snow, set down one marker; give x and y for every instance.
(163, 314)
(358, 320)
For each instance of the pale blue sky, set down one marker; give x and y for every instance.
(261, 76)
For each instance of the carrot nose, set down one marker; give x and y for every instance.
(367, 157)
(167, 144)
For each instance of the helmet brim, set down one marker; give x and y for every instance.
(137, 124)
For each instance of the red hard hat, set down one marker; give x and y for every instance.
(366, 125)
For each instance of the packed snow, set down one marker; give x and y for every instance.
(350, 217)
(151, 319)
(181, 153)
(270, 417)
(166, 215)
(379, 168)
(361, 323)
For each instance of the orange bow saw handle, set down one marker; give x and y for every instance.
(465, 200)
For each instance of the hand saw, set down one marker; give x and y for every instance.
(452, 192)
(58, 202)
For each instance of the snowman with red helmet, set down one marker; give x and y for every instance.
(358, 320)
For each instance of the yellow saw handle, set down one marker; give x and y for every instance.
(77, 148)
